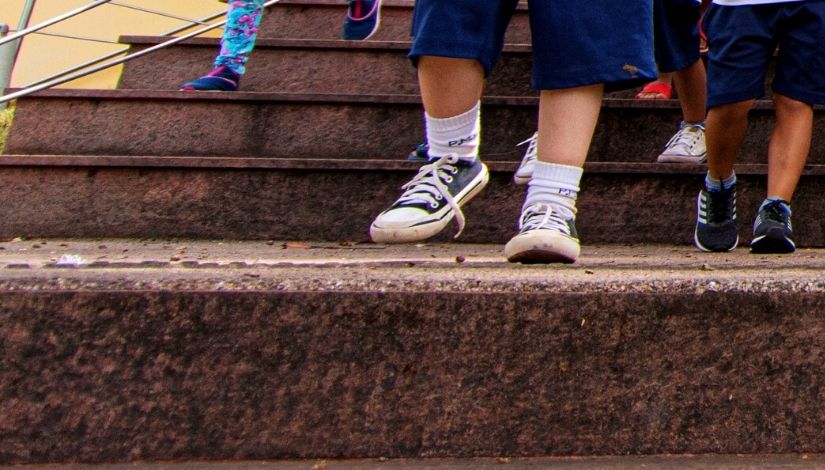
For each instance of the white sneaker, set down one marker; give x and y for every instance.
(525, 171)
(431, 200)
(686, 146)
(545, 236)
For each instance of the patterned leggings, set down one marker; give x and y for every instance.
(243, 19)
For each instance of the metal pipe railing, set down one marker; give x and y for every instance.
(71, 36)
(157, 12)
(68, 78)
(57, 19)
(112, 55)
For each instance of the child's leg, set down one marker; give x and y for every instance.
(787, 152)
(727, 125)
(677, 40)
(569, 108)
(456, 44)
(449, 86)
(691, 86)
(243, 19)
(450, 90)
(567, 119)
(789, 146)
(238, 40)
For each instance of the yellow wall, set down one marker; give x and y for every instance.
(44, 55)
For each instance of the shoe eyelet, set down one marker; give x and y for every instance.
(434, 205)
(448, 179)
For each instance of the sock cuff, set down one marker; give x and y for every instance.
(699, 124)
(558, 173)
(716, 185)
(770, 199)
(456, 122)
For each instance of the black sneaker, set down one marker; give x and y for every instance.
(716, 220)
(772, 232)
(545, 236)
(431, 200)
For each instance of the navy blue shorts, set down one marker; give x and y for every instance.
(575, 43)
(742, 42)
(676, 33)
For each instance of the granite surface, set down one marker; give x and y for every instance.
(719, 354)
(614, 207)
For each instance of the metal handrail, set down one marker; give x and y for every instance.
(56, 19)
(157, 12)
(74, 76)
(111, 55)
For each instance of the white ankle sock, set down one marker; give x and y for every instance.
(460, 134)
(555, 184)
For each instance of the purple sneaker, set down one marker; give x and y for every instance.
(363, 18)
(221, 79)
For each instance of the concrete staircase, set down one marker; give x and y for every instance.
(331, 347)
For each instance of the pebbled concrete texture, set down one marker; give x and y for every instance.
(313, 66)
(153, 122)
(615, 205)
(182, 350)
(691, 462)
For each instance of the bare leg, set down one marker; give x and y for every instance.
(691, 86)
(789, 146)
(567, 119)
(450, 90)
(726, 128)
(449, 86)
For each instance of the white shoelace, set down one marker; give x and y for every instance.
(543, 216)
(531, 154)
(430, 186)
(686, 138)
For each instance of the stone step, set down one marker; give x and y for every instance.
(648, 462)
(118, 351)
(323, 19)
(284, 125)
(312, 66)
(336, 200)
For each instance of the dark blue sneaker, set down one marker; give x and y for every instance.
(363, 18)
(716, 220)
(772, 232)
(431, 200)
(221, 79)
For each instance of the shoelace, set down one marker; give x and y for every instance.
(719, 204)
(532, 150)
(687, 137)
(543, 216)
(430, 186)
(776, 213)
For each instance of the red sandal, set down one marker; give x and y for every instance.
(659, 90)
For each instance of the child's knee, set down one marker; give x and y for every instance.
(731, 111)
(786, 105)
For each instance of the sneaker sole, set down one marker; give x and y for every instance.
(774, 242)
(521, 180)
(542, 247)
(681, 159)
(701, 247)
(424, 231)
